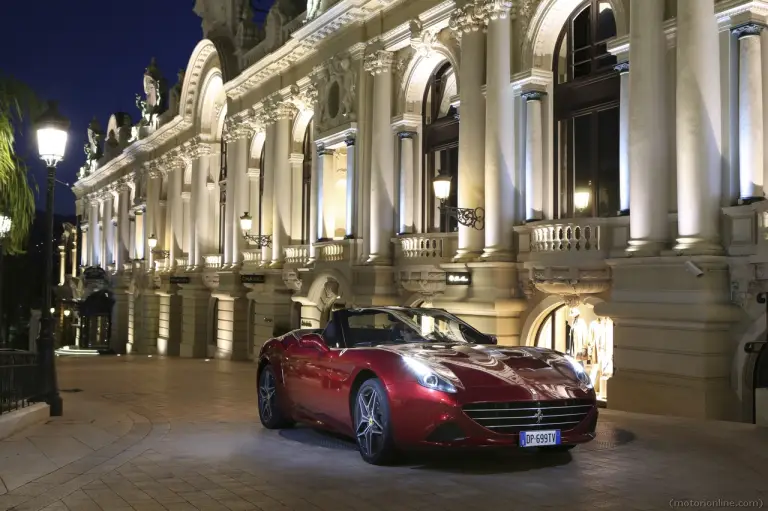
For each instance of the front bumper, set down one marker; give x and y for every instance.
(423, 418)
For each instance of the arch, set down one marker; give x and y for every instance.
(300, 125)
(547, 23)
(418, 72)
(204, 58)
(257, 143)
(539, 313)
(211, 110)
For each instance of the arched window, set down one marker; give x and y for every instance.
(262, 177)
(306, 183)
(586, 113)
(441, 145)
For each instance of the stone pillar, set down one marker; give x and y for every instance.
(197, 189)
(123, 226)
(699, 167)
(467, 21)
(351, 214)
(109, 232)
(268, 175)
(534, 157)
(194, 313)
(648, 160)
(624, 177)
(325, 191)
(62, 263)
(296, 163)
(382, 163)
(141, 238)
(132, 234)
(232, 341)
(150, 321)
(175, 221)
(85, 252)
(282, 193)
(93, 239)
(188, 235)
(120, 320)
(751, 141)
(239, 194)
(254, 203)
(407, 181)
(150, 214)
(500, 179)
(314, 200)
(73, 258)
(169, 336)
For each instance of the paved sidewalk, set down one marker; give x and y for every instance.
(170, 434)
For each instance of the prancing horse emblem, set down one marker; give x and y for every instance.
(539, 416)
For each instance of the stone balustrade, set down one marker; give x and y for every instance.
(252, 257)
(566, 237)
(336, 251)
(420, 248)
(297, 255)
(212, 261)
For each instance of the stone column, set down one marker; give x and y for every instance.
(150, 214)
(232, 341)
(534, 157)
(314, 200)
(175, 221)
(500, 180)
(467, 21)
(254, 203)
(382, 162)
(699, 167)
(282, 193)
(648, 167)
(124, 226)
(268, 175)
(296, 161)
(73, 257)
(194, 206)
(109, 231)
(188, 236)
(93, 239)
(751, 141)
(201, 225)
(140, 238)
(325, 193)
(239, 137)
(85, 252)
(407, 184)
(132, 236)
(194, 338)
(62, 263)
(351, 214)
(624, 176)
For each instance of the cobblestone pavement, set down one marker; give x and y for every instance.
(153, 434)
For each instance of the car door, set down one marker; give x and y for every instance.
(302, 380)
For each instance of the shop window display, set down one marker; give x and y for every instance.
(578, 332)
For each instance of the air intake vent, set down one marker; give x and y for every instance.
(511, 418)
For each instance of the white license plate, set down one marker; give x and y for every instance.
(539, 438)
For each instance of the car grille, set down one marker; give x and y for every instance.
(511, 418)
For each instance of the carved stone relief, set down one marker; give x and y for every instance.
(336, 85)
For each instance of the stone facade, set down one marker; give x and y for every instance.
(325, 131)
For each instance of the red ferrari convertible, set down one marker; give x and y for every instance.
(399, 378)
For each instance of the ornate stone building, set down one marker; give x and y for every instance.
(606, 165)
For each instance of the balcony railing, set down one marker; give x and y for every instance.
(212, 261)
(565, 237)
(336, 250)
(426, 247)
(297, 255)
(18, 378)
(252, 257)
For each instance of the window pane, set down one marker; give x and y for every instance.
(606, 61)
(582, 165)
(582, 35)
(608, 161)
(581, 56)
(606, 23)
(563, 157)
(561, 61)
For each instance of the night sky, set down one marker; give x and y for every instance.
(90, 56)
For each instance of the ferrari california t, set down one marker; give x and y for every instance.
(398, 379)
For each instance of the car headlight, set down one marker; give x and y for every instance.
(581, 374)
(429, 377)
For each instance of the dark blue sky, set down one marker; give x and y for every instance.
(90, 56)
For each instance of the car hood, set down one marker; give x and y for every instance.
(546, 372)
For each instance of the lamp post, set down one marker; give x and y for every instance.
(5, 229)
(468, 217)
(152, 242)
(261, 240)
(51, 129)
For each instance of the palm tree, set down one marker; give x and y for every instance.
(16, 197)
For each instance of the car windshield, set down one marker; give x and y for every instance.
(403, 326)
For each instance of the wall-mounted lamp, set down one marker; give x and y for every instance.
(474, 218)
(261, 241)
(159, 253)
(67, 312)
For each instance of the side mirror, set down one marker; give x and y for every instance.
(313, 341)
(492, 339)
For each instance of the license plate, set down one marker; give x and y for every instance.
(539, 438)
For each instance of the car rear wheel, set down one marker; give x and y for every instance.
(373, 431)
(270, 413)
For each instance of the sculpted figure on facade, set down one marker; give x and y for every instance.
(92, 149)
(174, 96)
(336, 83)
(153, 102)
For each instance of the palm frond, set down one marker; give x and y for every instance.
(16, 196)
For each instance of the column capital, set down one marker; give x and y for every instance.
(323, 151)
(469, 18)
(185, 196)
(493, 9)
(533, 95)
(236, 129)
(406, 134)
(296, 158)
(748, 29)
(622, 67)
(196, 148)
(350, 139)
(378, 62)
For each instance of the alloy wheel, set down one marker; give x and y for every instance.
(267, 395)
(369, 428)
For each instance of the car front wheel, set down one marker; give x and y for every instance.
(373, 431)
(270, 413)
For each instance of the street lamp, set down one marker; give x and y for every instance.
(468, 217)
(261, 240)
(5, 230)
(152, 242)
(67, 312)
(51, 128)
